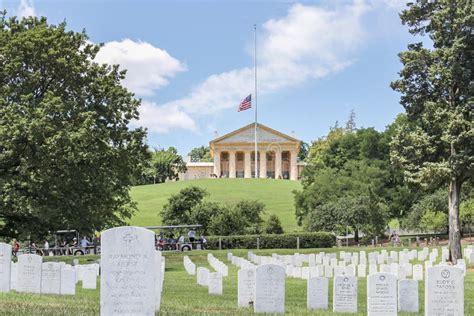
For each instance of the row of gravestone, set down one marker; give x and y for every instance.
(264, 288)
(30, 275)
(328, 265)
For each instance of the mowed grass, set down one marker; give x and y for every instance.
(276, 194)
(182, 295)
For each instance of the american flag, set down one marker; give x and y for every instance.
(245, 104)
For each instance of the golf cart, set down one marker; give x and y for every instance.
(167, 237)
(67, 243)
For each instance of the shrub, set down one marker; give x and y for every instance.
(273, 225)
(271, 241)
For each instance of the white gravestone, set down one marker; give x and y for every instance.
(68, 281)
(14, 276)
(417, 272)
(317, 293)
(408, 296)
(128, 273)
(246, 287)
(345, 294)
(444, 291)
(89, 278)
(51, 278)
(29, 273)
(5, 267)
(215, 283)
(159, 275)
(361, 271)
(269, 289)
(202, 276)
(382, 294)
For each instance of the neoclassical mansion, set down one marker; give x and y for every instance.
(234, 156)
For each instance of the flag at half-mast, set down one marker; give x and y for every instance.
(245, 104)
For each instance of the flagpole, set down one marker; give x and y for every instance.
(255, 92)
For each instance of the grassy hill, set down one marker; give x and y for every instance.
(276, 194)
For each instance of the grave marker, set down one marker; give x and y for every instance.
(269, 289)
(317, 293)
(29, 273)
(345, 294)
(128, 274)
(382, 294)
(444, 291)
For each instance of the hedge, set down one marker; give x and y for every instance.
(271, 241)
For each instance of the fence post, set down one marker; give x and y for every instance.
(220, 243)
(258, 243)
(298, 243)
(376, 241)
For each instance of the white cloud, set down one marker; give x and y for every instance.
(162, 119)
(309, 42)
(148, 67)
(26, 8)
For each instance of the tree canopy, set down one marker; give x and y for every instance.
(67, 154)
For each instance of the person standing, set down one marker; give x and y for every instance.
(84, 244)
(46, 247)
(192, 235)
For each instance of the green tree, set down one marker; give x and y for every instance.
(228, 222)
(433, 221)
(167, 164)
(466, 211)
(273, 225)
(177, 211)
(436, 202)
(200, 154)
(202, 214)
(251, 211)
(67, 153)
(436, 146)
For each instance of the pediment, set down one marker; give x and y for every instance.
(247, 135)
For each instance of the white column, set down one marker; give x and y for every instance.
(263, 164)
(231, 164)
(248, 165)
(278, 164)
(293, 165)
(217, 163)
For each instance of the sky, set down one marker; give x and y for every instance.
(192, 62)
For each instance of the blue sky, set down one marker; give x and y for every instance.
(191, 62)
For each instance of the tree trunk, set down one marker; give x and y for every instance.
(454, 222)
(356, 236)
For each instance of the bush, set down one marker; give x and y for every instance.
(273, 225)
(271, 241)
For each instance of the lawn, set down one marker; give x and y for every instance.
(276, 194)
(182, 296)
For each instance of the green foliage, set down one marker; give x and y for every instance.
(189, 207)
(349, 181)
(304, 151)
(164, 164)
(433, 221)
(436, 202)
(273, 225)
(251, 211)
(467, 214)
(67, 154)
(200, 154)
(202, 214)
(273, 241)
(167, 164)
(228, 222)
(178, 209)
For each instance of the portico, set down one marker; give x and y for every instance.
(234, 154)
